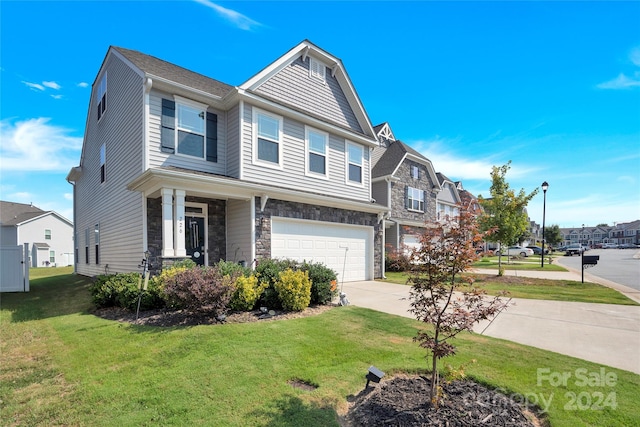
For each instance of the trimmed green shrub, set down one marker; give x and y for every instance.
(294, 290)
(248, 291)
(323, 282)
(121, 290)
(232, 269)
(267, 271)
(396, 260)
(201, 289)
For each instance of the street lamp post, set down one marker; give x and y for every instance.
(545, 185)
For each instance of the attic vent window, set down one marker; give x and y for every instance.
(317, 69)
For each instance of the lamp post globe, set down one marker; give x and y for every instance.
(545, 186)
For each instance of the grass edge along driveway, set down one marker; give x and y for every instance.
(63, 366)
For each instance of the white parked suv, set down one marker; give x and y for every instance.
(575, 249)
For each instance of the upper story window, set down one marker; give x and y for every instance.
(47, 234)
(415, 199)
(317, 142)
(355, 155)
(102, 96)
(415, 172)
(103, 160)
(268, 138)
(317, 69)
(188, 126)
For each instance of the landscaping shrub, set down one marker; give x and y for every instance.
(201, 289)
(323, 282)
(294, 290)
(267, 270)
(232, 269)
(396, 261)
(247, 292)
(121, 290)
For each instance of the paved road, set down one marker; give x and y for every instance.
(621, 266)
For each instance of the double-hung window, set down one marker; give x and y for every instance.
(47, 234)
(268, 138)
(415, 172)
(191, 129)
(415, 199)
(102, 96)
(355, 155)
(317, 142)
(187, 128)
(103, 161)
(96, 233)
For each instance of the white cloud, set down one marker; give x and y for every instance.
(57, 96)
(83, 84)
(623, 81)
(68, 196)
(236, 18)
(620, 82)
(36, 145)
(34, 86)
(52, 85)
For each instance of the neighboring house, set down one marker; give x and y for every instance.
(185, 166)
(406, 182)
(468, 201)
(448, 200)
(49, 234)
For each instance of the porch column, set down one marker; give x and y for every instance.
(179, 230)
(167, 223)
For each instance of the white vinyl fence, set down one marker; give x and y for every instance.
(14, 268)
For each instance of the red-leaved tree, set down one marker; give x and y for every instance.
(446, 251)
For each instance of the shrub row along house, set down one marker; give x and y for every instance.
(286, 165)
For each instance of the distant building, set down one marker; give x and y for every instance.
(49, 234)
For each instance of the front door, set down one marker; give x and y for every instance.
(195, 243)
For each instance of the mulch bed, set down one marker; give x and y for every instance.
(168, 318)
(404, 401)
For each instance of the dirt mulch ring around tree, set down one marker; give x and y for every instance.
(403, 400)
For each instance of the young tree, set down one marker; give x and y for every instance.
(505, 211)
(552, 235)
(447, 250)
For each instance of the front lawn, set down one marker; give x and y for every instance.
(62, 365)
(531, 288)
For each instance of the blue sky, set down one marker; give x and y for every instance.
(552, 86)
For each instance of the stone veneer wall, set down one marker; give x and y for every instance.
(216, 236)
(280, 208)
(398, 210)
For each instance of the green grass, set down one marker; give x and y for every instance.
(532, 288)
(64, 366)
(530, 263)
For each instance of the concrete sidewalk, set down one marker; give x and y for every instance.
(601, 333)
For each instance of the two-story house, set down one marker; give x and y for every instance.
(448, 201)
(48, 234)
(184, 166)
(406, 182)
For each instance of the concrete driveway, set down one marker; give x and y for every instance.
(601, 333)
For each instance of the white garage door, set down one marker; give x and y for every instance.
(347, 249)
(411, 243)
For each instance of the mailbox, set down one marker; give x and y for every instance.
(590, 259)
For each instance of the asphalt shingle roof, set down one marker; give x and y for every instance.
(392, 157)
(160, 68)
(15, 213)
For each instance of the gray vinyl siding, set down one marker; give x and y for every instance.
(293, 86)
(446, 195)
(119, 212)
(380, 191)
(233, 142)
(158, 158)
(239, 231)
(292, 175)
(391, 236)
